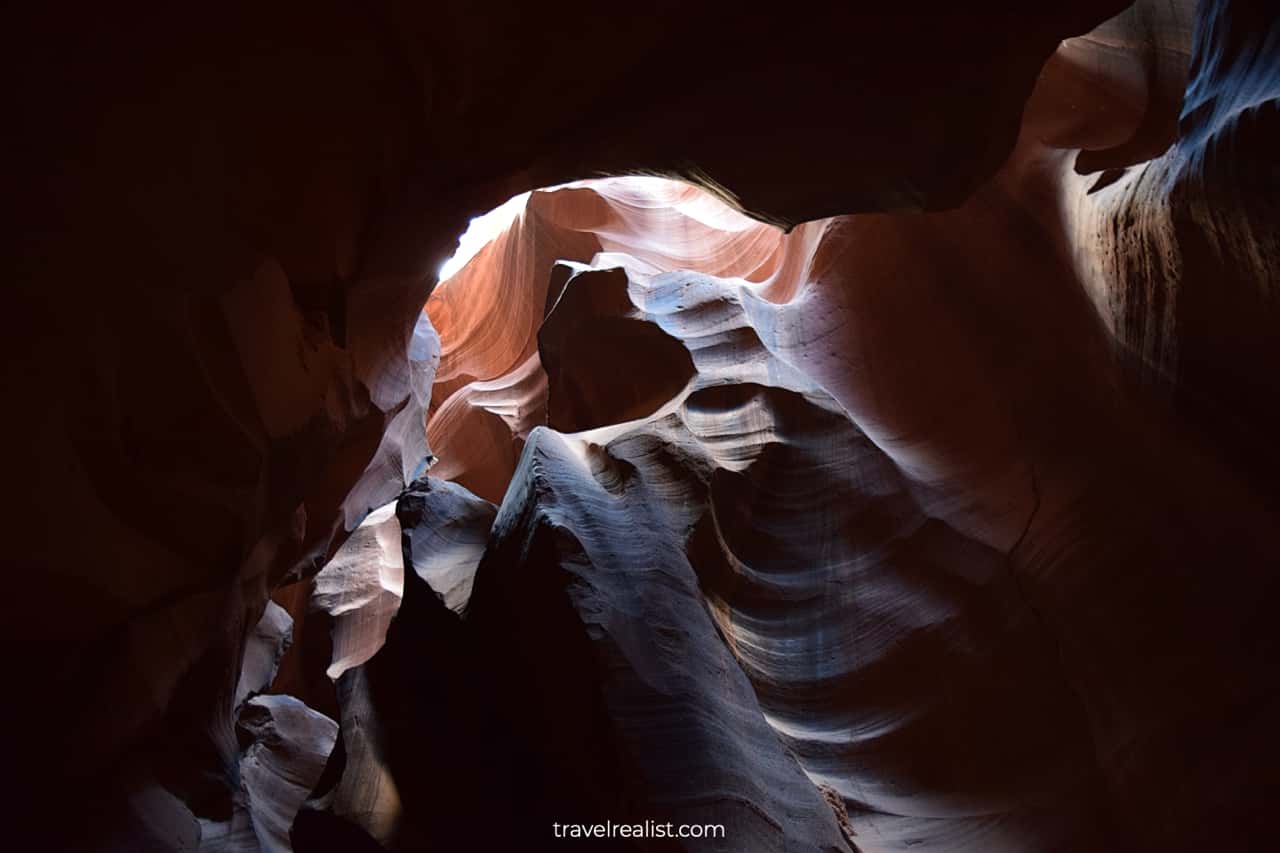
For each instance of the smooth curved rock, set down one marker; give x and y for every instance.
(263, 651)
(834, 587)
(1055, 321)
(289, 745)
(361, 588)
(637, 708)
(490, 311)
(413, 759)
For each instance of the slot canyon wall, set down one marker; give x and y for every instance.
(900, 478)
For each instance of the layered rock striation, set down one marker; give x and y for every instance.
(944, 519)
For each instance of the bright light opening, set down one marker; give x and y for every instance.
(480, 231)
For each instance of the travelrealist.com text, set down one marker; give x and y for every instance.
(647, 829)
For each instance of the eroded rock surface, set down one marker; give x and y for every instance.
(831, 585)
(392, 782)
(948, 525)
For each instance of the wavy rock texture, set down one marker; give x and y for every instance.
(272, 750)
(263, 652)
(540, 716)
(635, 707)
(990, 495)
(491, 385)
(361, 588)
(1185, 244)
(829, 583)
(1032, 386)
(392, 703)
(289, 745)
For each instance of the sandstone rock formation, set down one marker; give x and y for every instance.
(390, 783)
(944, 520)
(830, 585)
(491, 384)
(289, 745)
(361, 588)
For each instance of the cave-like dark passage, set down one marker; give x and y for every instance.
(854, 434)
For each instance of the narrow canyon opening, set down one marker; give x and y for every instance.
(874, 456)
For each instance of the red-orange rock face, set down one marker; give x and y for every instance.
(903, 480)
(491, 384)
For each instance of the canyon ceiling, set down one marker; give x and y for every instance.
(863, 437)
